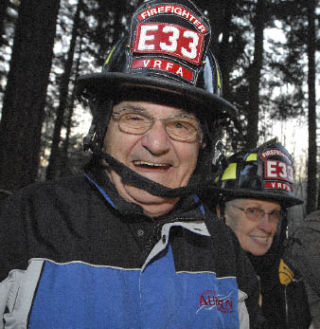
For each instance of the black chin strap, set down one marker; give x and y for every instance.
(130, 177)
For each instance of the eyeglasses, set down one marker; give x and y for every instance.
(255, 214)
(182, 127)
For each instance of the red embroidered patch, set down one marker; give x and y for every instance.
(163, 65)
(170, 39)
(273, 152)
(278, 185)
(278, 170)
(173, 9)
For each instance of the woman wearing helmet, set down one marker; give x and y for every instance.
(257, 187)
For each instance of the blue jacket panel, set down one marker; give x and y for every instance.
(84, 296)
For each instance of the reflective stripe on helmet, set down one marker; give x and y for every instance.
(252, 157)
(109, 56)
(219, 80)
(230, 172)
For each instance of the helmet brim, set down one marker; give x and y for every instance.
(284, 200)
(112, 83)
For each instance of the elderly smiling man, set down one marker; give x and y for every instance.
(129, 245)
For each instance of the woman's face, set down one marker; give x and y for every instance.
(254, 222)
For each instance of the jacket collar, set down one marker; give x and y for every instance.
(188, 208)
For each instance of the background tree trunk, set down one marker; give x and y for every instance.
(25, 96)
(117, 23)
(3, 11)
(64, 88)
(224, 49)
(215, 10)
(312, 150)
(255, 75)
(64, 168)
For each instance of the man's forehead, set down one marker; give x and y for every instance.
(152, 108)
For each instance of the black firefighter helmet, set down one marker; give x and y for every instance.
(164, 59)
(266, 173)
(167, 51)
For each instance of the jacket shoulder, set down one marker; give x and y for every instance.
(58, 189)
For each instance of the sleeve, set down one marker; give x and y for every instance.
(4, 294)
(314, 305)
(13, 242)
(13, 247)
(305, 258)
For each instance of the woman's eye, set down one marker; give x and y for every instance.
(252, 211)
(184, 125)
(275, 214)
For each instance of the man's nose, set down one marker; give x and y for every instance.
(156, 140)
(266, 224)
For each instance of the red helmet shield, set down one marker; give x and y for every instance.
(169, 40)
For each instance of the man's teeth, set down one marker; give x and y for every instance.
(265, 239)
(150, 164)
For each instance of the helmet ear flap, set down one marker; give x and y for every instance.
(101, 109)
(218, 153)
(88, 139)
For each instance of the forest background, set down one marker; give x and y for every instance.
(268, 51)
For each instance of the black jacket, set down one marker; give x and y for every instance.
(76, 220)
(283, 306)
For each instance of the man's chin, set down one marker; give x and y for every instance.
(143, 196)
(152, 205)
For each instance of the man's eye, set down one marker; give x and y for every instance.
(134, 118)
(180, 125)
